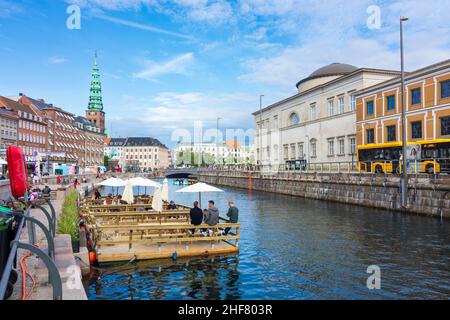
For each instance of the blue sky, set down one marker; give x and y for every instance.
(165, 64)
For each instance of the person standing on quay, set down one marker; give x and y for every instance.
(75, 183)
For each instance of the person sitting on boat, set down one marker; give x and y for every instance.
(47, 191)
(97, 194)
(120, 199)
(140, 202)
(172, 206)
(233, 214)
(212, 216)
(196, 215)
(108, 200)
(115, 200)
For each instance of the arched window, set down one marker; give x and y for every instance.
(294, 119)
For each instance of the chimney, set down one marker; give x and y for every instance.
(41, 100)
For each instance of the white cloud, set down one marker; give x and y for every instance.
(8, 8)
(140, 26)
(57, 60)
(337, 32)
(177, 65)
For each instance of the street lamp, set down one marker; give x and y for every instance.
(217, 141)
(404, 180)
(260, 129)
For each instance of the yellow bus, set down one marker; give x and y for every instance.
(430, 156)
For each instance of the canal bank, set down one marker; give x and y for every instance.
(428, 194)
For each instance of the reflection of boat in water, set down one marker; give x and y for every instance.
(181, 182)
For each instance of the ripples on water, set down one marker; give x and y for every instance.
(294, 248)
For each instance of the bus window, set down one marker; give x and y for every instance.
(430, 153)
(444, 151)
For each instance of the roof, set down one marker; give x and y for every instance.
(41, 104)
(14, 105)
(87, 125)
(8, 113)
(144, 142)
(334, 69)
(117, 142)
(321, 86)
(233, 144)
(408, 76)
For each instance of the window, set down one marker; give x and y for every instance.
(330, 147)
(352, 145)
(369, 108)
(286, 152)
(390, 101)
(313, 112)
(416, 130)
(330, 107)
(445, 126)
(391, 133)
(445, 89)
(313, 149)
(415, 96)
(294, 120)
(301, 155)
(293, 151)
(341, 147)
(370, 136)
(341, 105)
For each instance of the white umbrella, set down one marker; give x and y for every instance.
(200, 188)
(113, 182)
(141, 182)
(157, 204)
(128, 194)
(165, 190)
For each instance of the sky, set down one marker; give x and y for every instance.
(167, 63)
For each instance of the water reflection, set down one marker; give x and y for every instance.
(209, 278)
(294, 248)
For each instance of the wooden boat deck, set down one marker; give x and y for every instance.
(148, 251)
(124, 232)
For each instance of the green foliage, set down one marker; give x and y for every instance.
(69, 220)
(106, 161)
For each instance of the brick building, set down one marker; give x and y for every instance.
(32, 131)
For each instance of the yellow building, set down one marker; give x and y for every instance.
(427, 103)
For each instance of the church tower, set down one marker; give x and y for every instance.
(95, 113)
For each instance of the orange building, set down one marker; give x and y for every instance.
(427, 102)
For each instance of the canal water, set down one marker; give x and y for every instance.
(294, 248)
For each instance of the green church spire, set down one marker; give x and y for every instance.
(95, 97)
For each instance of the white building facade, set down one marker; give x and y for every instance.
(230, 152)
(317, 125)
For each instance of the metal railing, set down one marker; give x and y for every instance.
(47, 257)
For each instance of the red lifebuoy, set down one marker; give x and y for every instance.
(18, 175)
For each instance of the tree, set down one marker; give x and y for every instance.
(105, 161)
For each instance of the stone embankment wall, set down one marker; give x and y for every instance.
(428, 195)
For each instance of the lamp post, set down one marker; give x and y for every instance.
(217, 141)
(404, 180)
(260, 129)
